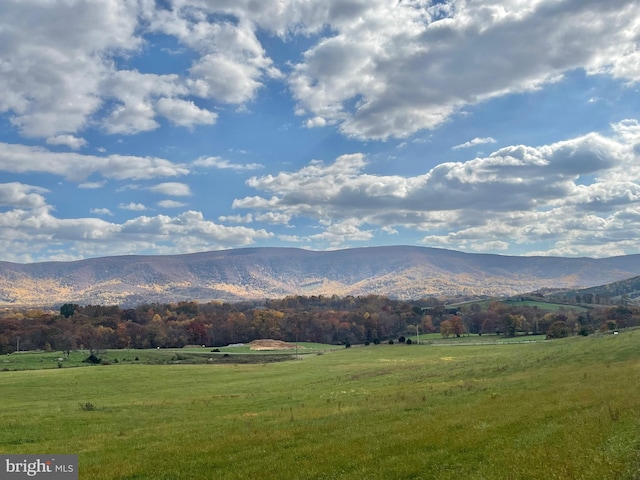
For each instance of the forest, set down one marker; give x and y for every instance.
(323, 319)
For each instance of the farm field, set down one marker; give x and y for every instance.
(46, 360)
(559, 409)
(437, 339)
(547, 306)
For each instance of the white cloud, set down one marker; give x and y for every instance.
(393, 69)
(101, 211)
(77, 167)
(248, 218)
(92, 185)
(338, 234)
(135, 207)
(274, 218)
(517, 195)
(232, 62)
(220, 163)
(70, 141)
(170, 204)
(20, 195)
(61, 66)
(185, 113)
(315, 122)
(35, 235)
(474, 142)
(56, 55)
(189, 224)
(175, 189)
(377, 69)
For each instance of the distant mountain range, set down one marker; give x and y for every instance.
(256, 273)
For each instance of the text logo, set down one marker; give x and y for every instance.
(46, 467)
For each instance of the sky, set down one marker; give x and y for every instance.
(179, 126)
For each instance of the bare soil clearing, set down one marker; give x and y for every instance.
(268, 344)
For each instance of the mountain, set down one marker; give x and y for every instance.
(402, 271)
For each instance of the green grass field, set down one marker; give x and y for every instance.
(437, 339)
(44, 360)
(563, 409)
(546, 306)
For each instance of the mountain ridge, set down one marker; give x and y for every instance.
(404, 272)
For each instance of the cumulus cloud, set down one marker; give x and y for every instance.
(134, 207)
(189, 224)
(70, 141)
(232, 62)
(517, 195)
(185, 113)
(376, 69)
(60, 69)
(101, 211)
(175, 189)
(248, 218)
(77, 167)
(170, 204)
(36, 234)
(221, 163)
(20, 195)
(379, 78)
(338, 234)
(474, 142)
(55, 57)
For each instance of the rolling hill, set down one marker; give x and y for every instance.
(627, 290)
(401, 271)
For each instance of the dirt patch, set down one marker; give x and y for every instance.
(268, 344)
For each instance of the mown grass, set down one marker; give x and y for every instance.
(560, 409)
(473, 338)
(42, 360)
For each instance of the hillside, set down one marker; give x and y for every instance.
(402, 272)
(627, 289)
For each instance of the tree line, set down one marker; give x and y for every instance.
(322, 319)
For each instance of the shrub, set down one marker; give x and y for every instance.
(366, 344)
(216, 350)
(402, 339)
(558, 329)
(390, 342)
(136, 359)
(376, 341)
(347, 345)
(585, 330)
(92, 359)
(409, 341)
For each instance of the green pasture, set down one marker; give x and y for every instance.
(541, 305)
(475, 339)
(43, 360)
(547, 306)
(562, 409)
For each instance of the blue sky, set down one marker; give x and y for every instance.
(177, 126)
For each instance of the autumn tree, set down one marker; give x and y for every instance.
(446, 328)
(457, 327)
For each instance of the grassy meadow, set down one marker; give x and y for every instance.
(562, 409)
